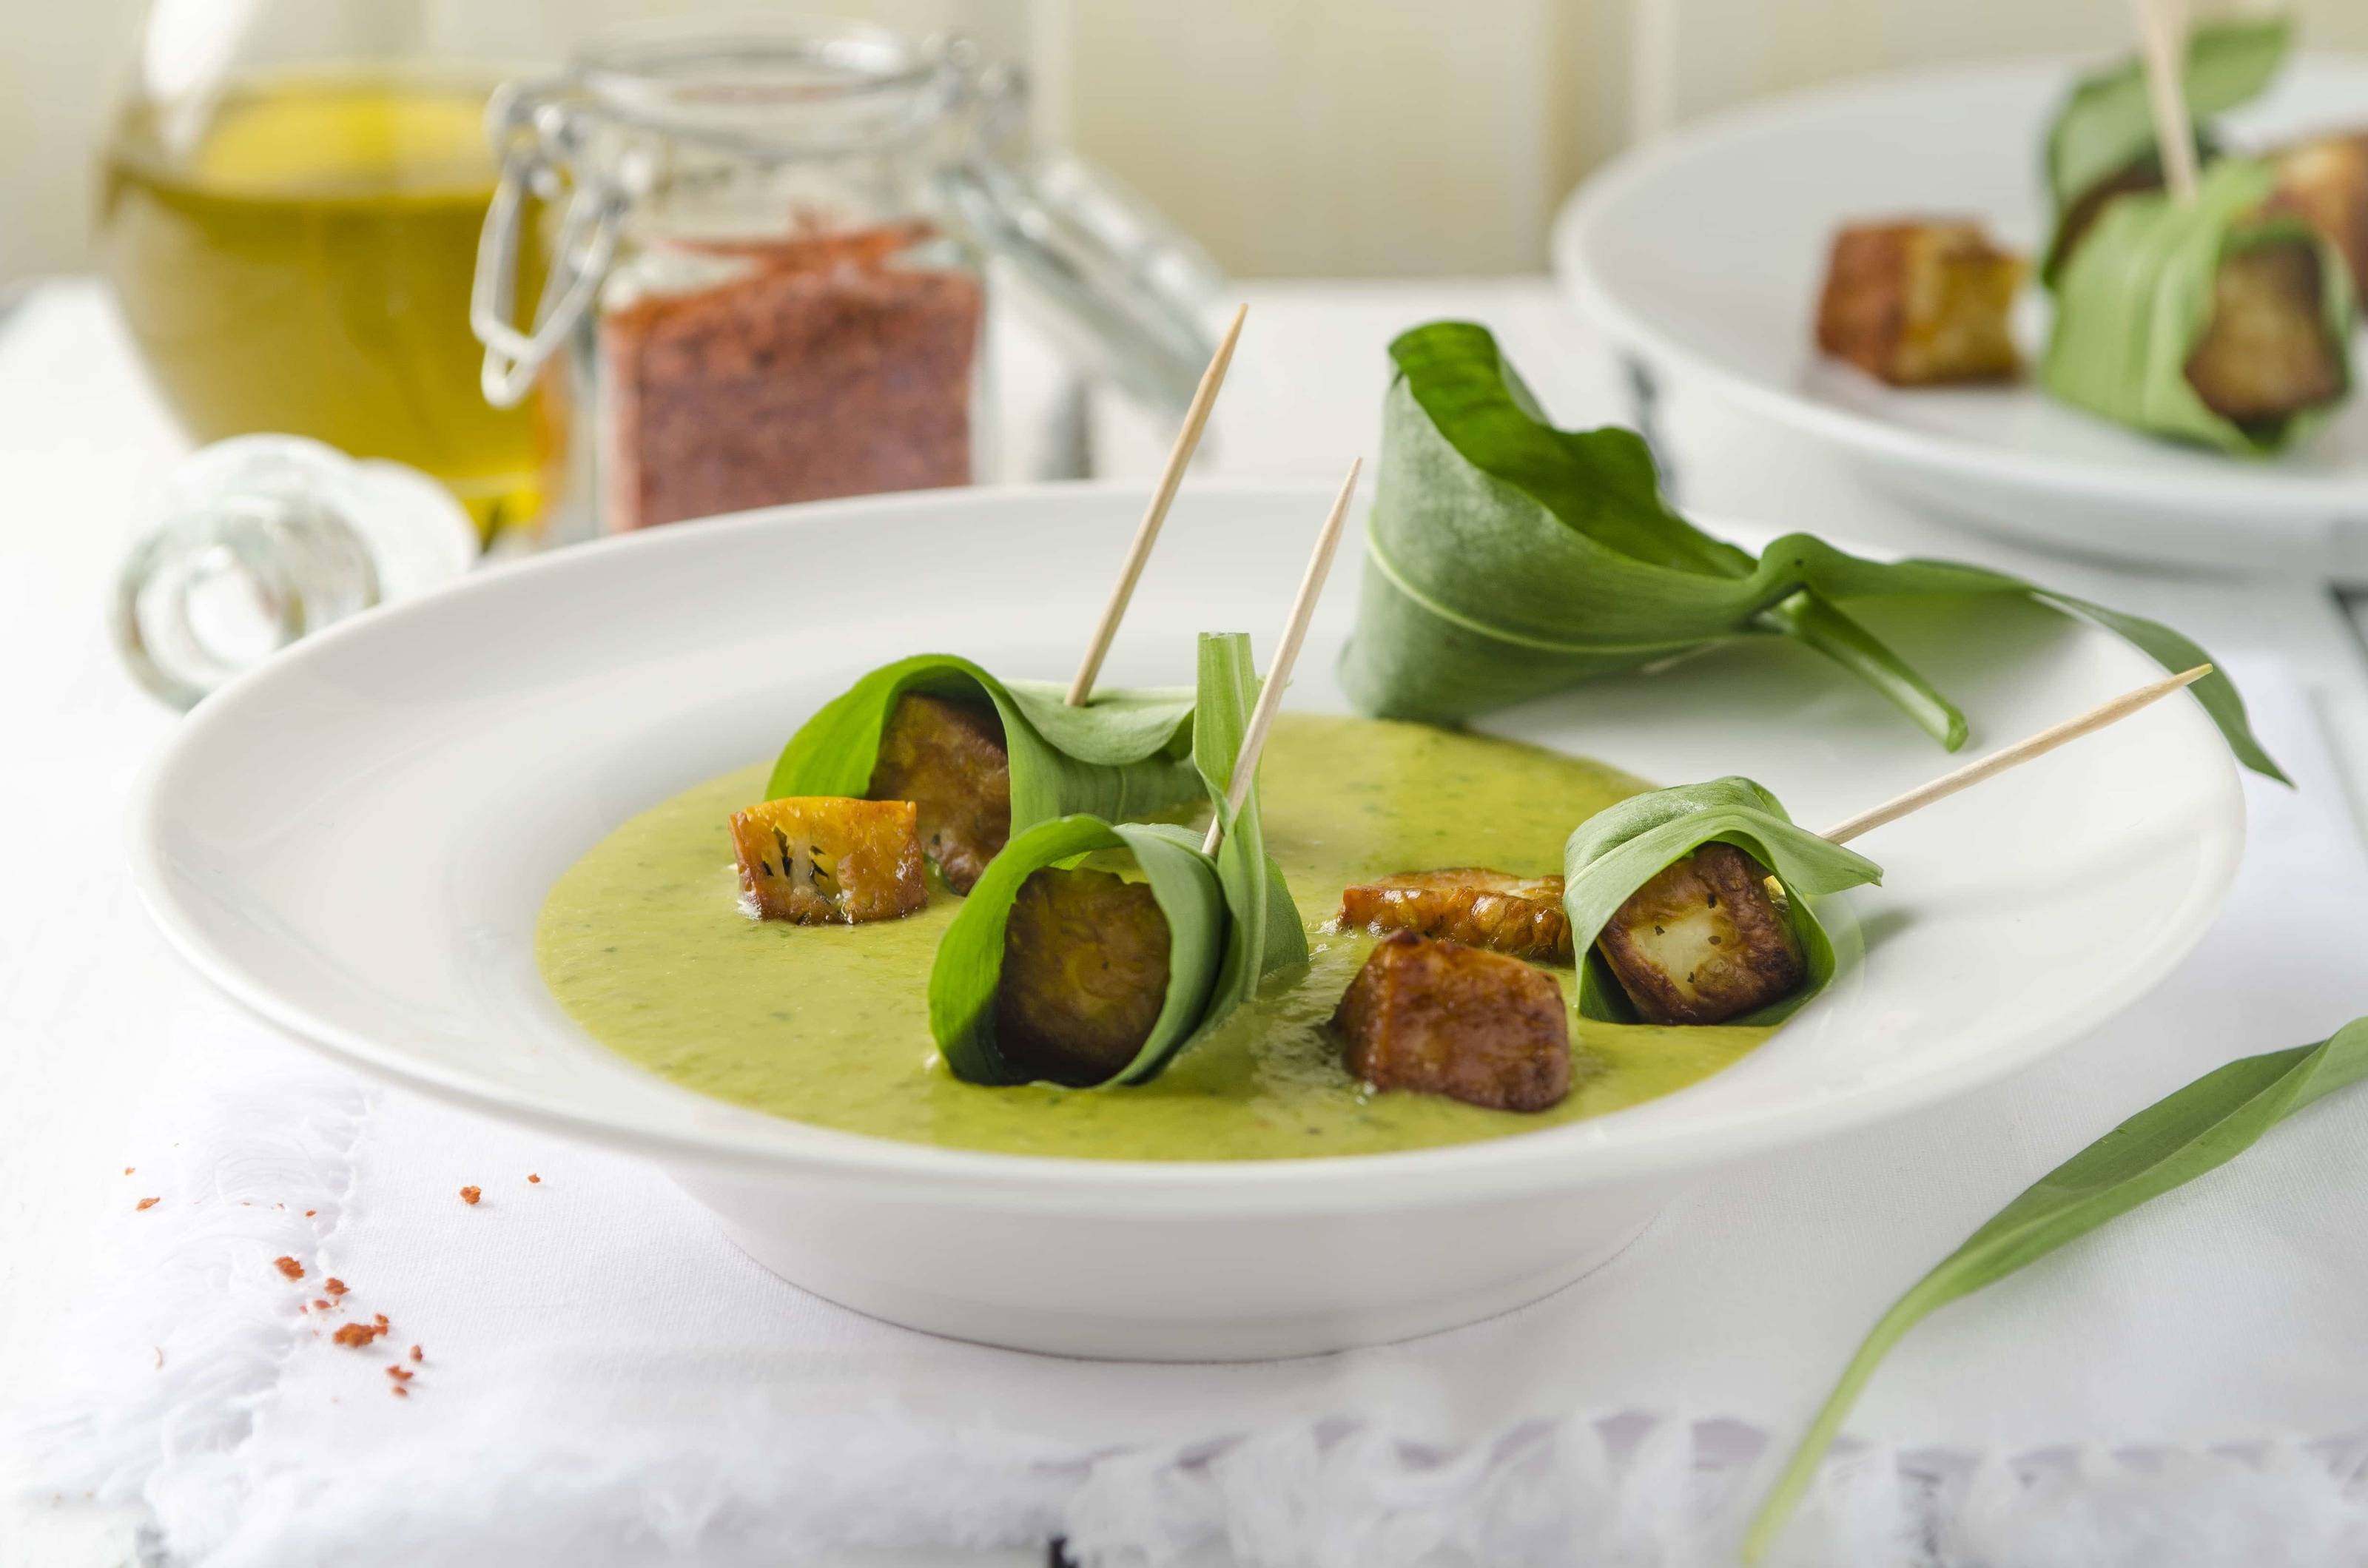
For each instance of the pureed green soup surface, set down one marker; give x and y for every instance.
(643, 943)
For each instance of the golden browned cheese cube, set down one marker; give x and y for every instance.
(1085, 973)
(1519, 916)
(2325, 182)
(1704, 941)
(948, 760)
(2266, 352)
(829, 861)
(1437, 1018)
(1918, 302)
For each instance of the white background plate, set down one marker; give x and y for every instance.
(1706, 251)
(355, 840)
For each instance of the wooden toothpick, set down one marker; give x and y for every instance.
(2162, 44)
(1997, 761)
(1286, 654)
(1146, 534)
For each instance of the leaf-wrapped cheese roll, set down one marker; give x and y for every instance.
(1505, 559)
(2205, 320)
(1437, 1018)
(1051, 973)
(829, 861)
(1696, 861)
(985, 759)
(2102, 145)
(1920, 301)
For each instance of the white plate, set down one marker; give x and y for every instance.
(355, 841)
(1706, 251)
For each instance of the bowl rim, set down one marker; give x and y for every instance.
(1565, 1157)
(2294, 497)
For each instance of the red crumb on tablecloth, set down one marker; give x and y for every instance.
(310, 1212)
(380, 1319)
(400, 1392)
(321, 1302)
(532, 1177)
(356, 1334)
(289, 1266)
(127, 1170)
(471, 1194)
(334, 1286)
(400, 1373)
(146, 1203)
(416, 1355)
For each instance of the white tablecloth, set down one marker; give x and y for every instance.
(602, 1376)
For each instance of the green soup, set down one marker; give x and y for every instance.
(644, 944)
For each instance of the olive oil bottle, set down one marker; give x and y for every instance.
(298, 260)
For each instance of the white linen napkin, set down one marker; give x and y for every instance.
(601, 1378)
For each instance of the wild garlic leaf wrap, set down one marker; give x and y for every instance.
(2106, 124)
(1507, 559)
(1624, 846)
(2138, 294)
(1231, 920)
(1121, 757)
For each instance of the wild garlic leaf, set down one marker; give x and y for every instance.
(1231, 921)
(1624, 846)
(1507, 560)
(1121, 757)
(2107, 123)
(2140, 290)
(2170, 1142)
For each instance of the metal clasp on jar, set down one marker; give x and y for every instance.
(538, 134)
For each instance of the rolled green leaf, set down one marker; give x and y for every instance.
(1624, 846)
(2138, 295)
(1507, 559)
(1231, 920)
(1121, 757)
(2170, 1143)
(2106, 126)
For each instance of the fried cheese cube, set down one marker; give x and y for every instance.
(1085, 973)
(2266, 353)
(1704, 941)
(948, 760)
(829, 861)
(1920, 302)
(1522, 917)
(2325, 182)
(1437, 1018)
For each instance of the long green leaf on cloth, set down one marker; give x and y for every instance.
(1624, 846)
(2106, 123)
(2170, 1142)
(1122, 757)
(1231, 920)
(2138, 294)
(1507, 559)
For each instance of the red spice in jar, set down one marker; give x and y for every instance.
(817, 366)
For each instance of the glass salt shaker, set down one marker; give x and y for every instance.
(261, 539)
(769, 247)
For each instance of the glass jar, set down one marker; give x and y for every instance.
(292, 195)
(771, 247)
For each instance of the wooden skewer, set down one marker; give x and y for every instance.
(1286, 654)
(1997, 761)
(2162, 43)
(1146, 534)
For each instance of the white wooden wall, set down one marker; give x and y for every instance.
(1296, 137)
